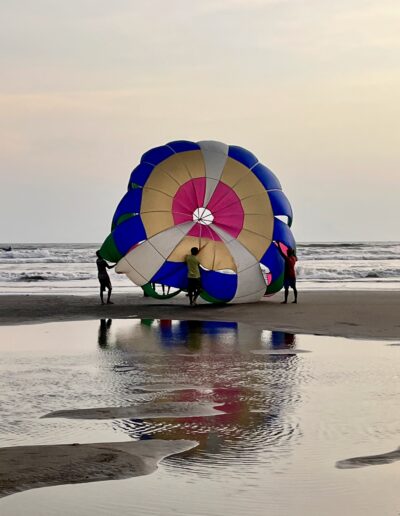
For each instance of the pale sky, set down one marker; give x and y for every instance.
(312, 87)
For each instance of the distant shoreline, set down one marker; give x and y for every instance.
(355, 314)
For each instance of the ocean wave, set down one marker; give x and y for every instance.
(318, 262)
(348, 244)
(51, 255)
(313, 271)
(348, 257)
(33, 276)
(11, 261)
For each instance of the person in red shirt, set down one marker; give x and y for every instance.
(289, 278)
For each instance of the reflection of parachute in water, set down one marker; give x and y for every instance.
(209, 195)
(209, 362)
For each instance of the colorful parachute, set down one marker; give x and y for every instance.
(209, 195)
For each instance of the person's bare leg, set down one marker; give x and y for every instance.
(286, 295)
(101, 296)
(109, 296)
(295, 294)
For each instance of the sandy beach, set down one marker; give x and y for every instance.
(157, 387)
(353, 314)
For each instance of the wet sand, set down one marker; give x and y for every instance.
(144, 410)
(354, 314)
(370, 460)
(29, 467)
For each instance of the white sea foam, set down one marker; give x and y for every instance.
(72, 268)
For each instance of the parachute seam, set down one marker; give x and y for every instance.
(241, 245)
(166, 172)
(185, 235)
(164, 230)
(258, 163)
(155, 211)
(254, 233)
(156, 190)
(169, 147)
(217, 180)
(188, 170)
(166, 211)
(243, 177)
(131, 266)
(212, 231)
(195, 191)
(243, 199)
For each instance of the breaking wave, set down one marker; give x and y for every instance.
(45, 264)
(44, 276)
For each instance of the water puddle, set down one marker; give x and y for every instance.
(241, 419)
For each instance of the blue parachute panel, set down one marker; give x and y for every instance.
(283, 234)
(130, 203)
(274, 261)
(216, 327)
(157, 155)
(140, 175)
(280, 204)
(179, 334)
(183, 146)
(242, 155)
(220, 285)
(129, 233)
(266, 177)
(172, 274)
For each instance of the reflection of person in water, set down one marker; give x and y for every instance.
(104, 328)
(194, 334)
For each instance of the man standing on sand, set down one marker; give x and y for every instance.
(289, 278)
(194, 282)
(104, 278)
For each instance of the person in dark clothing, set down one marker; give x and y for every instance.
(289, 278)
(104, 278)
(194, 281)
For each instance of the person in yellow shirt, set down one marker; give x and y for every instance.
(194, 281)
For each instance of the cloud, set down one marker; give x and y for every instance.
(311, 86)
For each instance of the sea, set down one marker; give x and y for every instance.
(46, 268)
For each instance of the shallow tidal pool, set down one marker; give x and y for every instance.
(240, 421)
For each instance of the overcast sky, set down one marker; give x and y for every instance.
(312, 87)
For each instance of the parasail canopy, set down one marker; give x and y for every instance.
(209, 195)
